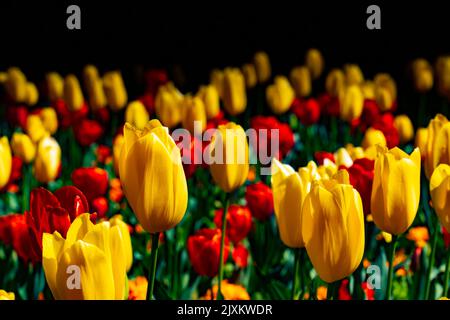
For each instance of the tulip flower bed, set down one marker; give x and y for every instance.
(311, 185)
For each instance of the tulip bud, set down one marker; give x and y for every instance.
(262, 66)
(396, 190)
(353, 75)
(16, 85)
(280, 95)
(443, 75)
(422, 73)
(351, 101)
(437, 150)
(49, 119)
(193, 111)
(152, 177)
(383, 98)
(343, 158)
(259, 199)
(216, 79)
(373, 137)
(335, 82)
(333, 227)
(3, 77)
(210, 98)
(234, 94)
(136, 114)
(384, 80)
(314, 62)
(301, 81)
(97, 97)
(440, 193)
(35, 128)
(168, 105)
(368, 90)
(421, 140)
(115, 91)
(239, 222)
(23, 147)
(32, 95)
(249, 72)
(73, 96)
(55, 86)
(90, 76)
(48, 160)
(5, 161)
(117, 148)
(404, 127)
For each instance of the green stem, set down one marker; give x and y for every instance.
(222, 245)
(332, 290)
(391, 267)
(153, 259)
(26, 187)
(447, 274)
(297, 252)
(432, 258)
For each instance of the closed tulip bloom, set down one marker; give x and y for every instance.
(55, 86)
(152, 177)
(301, 81)
(249, 72)
(216, 79)
(289, 191)
(352, 102)
(73, 96)
(234, 94)
(168, 105)
(437, 150)
(262, 66)
(5, 161)
(421, 140)
(210, 98)
(422, 73)
(23, 147)
(280, 95)
(97, 97)
(335, 82)
(353, 74)
(90, 76)
(333, 227)
(229, 151)
(32, 96)
(368, 90)
(100, 253)
(373, 137)
(35, 128)
(7, 295)
(440, 193)
(314, 62)
(16, 85)
(259, 199)
(117, 148)
(193, 111)
(115, 91)
(117, 220)
(384, 80)
(404, 127)
(48, 160)
(49, 119)
(136, 114)
(384, 99)
(395, 190)
(343, 158)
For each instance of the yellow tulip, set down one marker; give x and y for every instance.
(55, 86)
(193, 111)
(168, 105)
(5, 161)
(404, 127)
(335, 82)
(48, 160)
(301, 81)
(32, 96)
(229, 152)
(49, 119)
(327, 170)
(216, 79)
(100, 253)
(443, 75)
(351, 101)
(343, 158)
(373, 137)
(289, 191)
(115, 91)
(234, 94)
(35, 128)
(280, 95)
(3, 77)
(73, 96)
(262, 66)
(421, 140)
(333, 227)
(16, 85)
(384, 99)
(210, 98)
(440, 193)
(396, 190)
(152, 176)
(7, 295)
(368, 90)
(355, 152)
(437, 150)
(314, 62)
(422, 75)
(353, 75)
(97, 97)
(117, 148)
(249, 72)
(23, 147)
(384, 80)
(136, 114)
(117, 220)
(90, 76)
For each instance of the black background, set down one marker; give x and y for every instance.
(201, 35)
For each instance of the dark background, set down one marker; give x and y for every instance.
(200, 35)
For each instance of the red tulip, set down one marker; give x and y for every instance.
(204, 251)
(240, 256)
(385, 124)
(190, 153)
(87, 132)
(148, 101)
(307, 111)
(369, 116)
(370, 293)
(343, 293)
(329, 106)
(361, 177)
(320, 156)
(154, 79)
(102, 115)
(67, 118)
(103, 153)
(17, 116)
(100, 206)
(239, 222)
(259, 200)
(217, 121)
(446, 235)
(93, 182)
